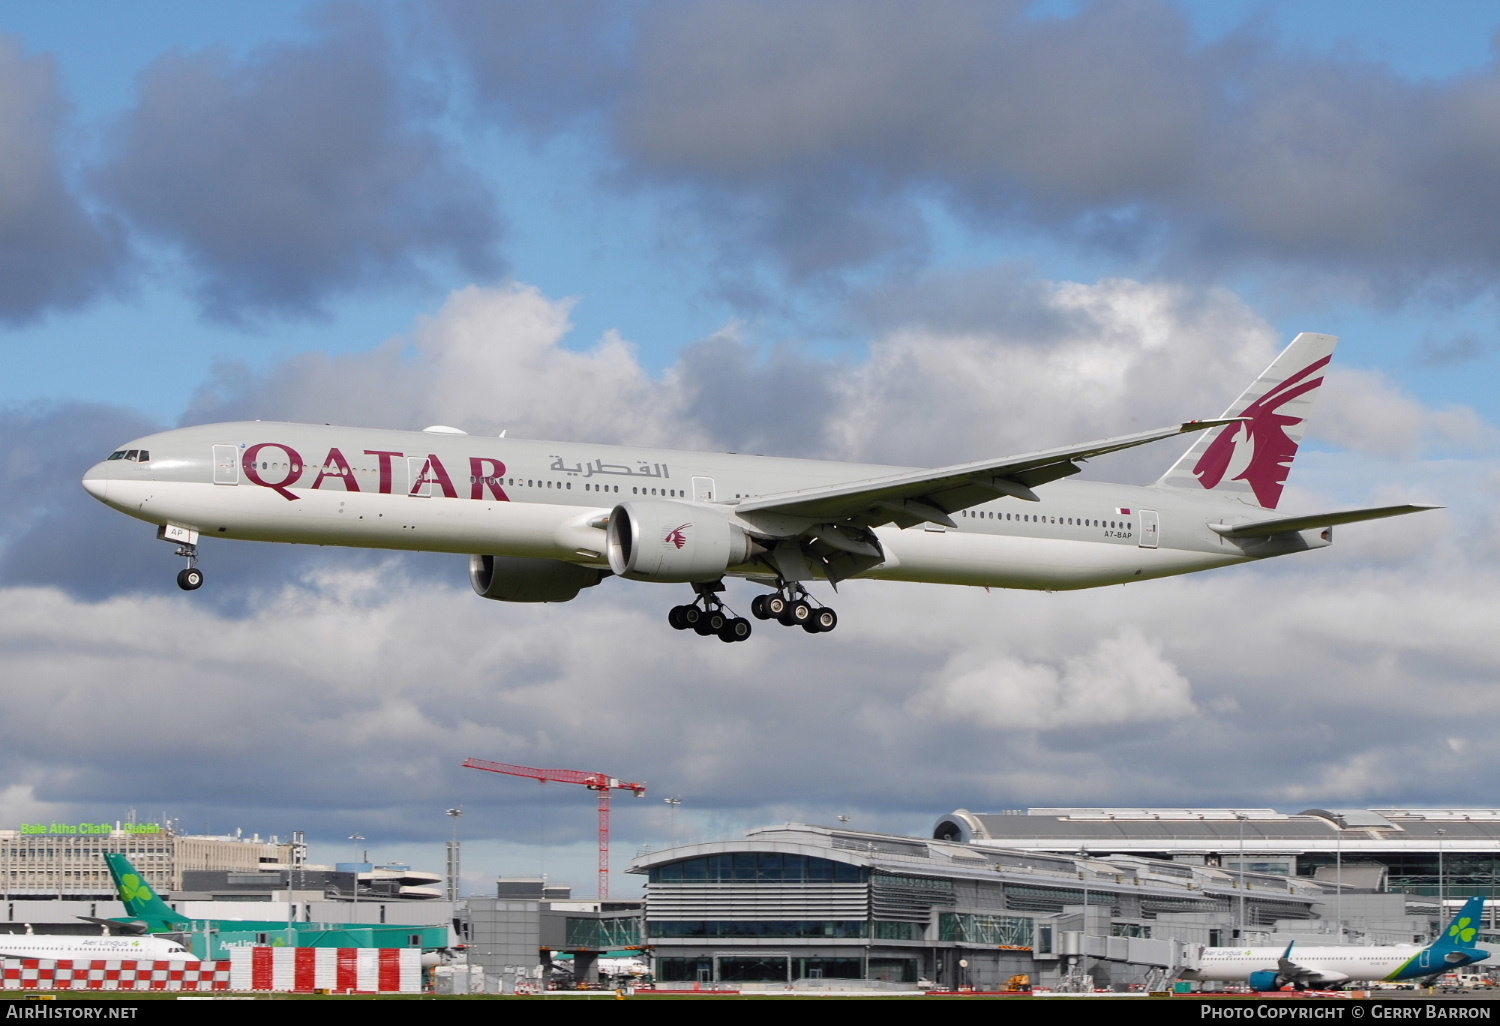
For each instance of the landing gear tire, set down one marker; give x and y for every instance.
(689, 616)
(773, 606)
(758, 607)
(677, 618)
(796, 613)
(737, 629)
(821, 621)
(190, 579)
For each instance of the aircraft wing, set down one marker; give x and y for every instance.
(1295, 972)
(929, 496)
(117, 926)
(1265, 528)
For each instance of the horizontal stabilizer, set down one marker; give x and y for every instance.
(1283, 525)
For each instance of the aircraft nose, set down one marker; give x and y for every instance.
(96, 483)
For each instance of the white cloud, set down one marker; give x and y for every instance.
(1124, 679)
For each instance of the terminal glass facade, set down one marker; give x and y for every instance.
(966, 928)
(614, 932)
(760, 928)
(1455, 875)
(757, 867)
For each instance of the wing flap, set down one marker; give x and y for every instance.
(945, 490)
(1285, 525)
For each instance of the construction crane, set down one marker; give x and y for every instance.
(601, 783)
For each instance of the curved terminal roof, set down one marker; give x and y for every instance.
(886, 853)
(1203, 831)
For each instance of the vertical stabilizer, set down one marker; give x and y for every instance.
(1251, 460)
(141, 902)
(1463, 933)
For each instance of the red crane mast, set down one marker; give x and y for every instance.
(602, 783)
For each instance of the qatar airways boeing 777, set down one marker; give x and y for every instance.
(541, 521)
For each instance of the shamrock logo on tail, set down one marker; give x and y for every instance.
(133, 888)
(1463, 931)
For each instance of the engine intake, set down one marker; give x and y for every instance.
(674, 542)
(519, 579)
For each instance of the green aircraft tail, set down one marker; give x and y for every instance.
(141, 902)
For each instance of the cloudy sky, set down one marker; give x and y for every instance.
(901, 232)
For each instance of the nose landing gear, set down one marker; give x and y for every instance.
(707, 615)
(190, 579)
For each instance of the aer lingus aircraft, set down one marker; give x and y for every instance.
(148, 914)
(1267, 969)
(540, 521)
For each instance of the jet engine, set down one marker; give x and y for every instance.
(674, 542)
(517, 579)
(1266, 980)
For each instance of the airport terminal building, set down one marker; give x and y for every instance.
(1452, 853)
(804, 902)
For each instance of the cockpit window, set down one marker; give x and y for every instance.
(118, 454)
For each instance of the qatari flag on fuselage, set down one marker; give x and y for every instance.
(1121, 511)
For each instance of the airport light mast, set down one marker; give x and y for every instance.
(600, 783)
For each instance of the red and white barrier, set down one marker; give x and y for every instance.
(298, 970)
(341, 970)
(112, 974)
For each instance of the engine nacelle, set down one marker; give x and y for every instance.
(518, 579)
(674, 542)
(1266, 980)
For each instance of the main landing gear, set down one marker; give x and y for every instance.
(791, 606)
(190, 579)
(708, 615)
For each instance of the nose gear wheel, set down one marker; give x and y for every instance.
(190, 579)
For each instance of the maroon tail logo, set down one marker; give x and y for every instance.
(676, 537)
(1271, 448)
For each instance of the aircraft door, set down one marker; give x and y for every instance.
(703, 489)
(226, 464)
(1150, 527)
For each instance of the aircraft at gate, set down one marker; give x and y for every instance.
(541, 521)
(146, 949)
(1272, 968)
(146, 912)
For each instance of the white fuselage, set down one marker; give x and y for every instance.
(448, 492)
(61, 946)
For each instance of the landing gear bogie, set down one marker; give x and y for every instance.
(789, 605)
(707, 616)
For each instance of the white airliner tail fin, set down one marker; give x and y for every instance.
(1251, 459)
